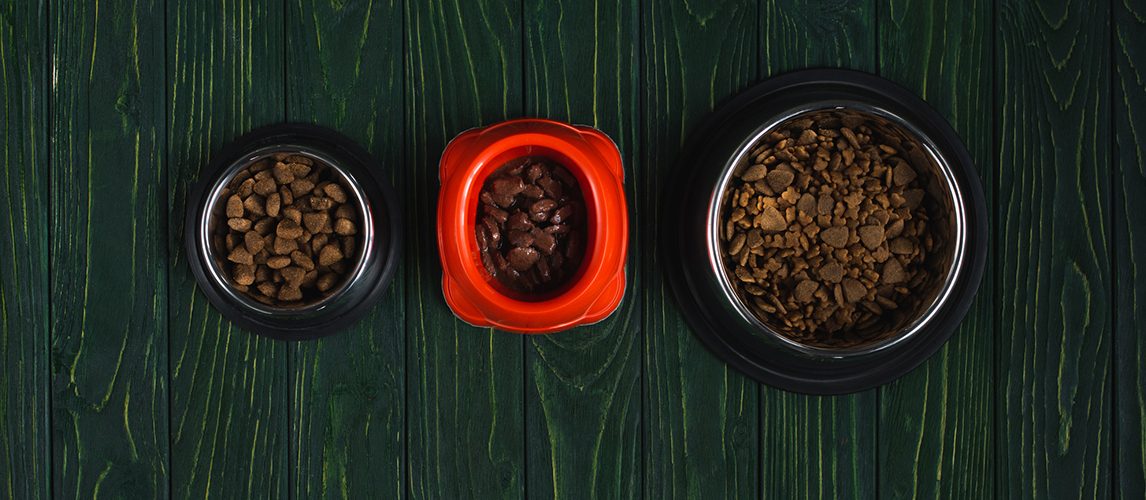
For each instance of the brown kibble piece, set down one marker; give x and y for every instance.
(335, 192)
(770, 221)
(254, 242)
(244, 274)
(274, 203)
(255, 204)
(871, 236)
(329, 255)
(293, 214)
(893, 272)
(234, 206)
(903, 174)
(278, 262)
(283, 173)
(853, 290)
(290, 293)
(240, 255)
(239, 225)
(345, 227)
(326, 281)
(265, 187)
(288, 229)
(293, 275)
(284, 246)
(315, 221)
(344, 212)
(301, 260)
(779, 180)
(754, 173)
(832, 272)
(835, 236)
(804, 291)
(301, 187)
(901, 246)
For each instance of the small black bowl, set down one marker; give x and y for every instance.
(699, 281)
(376, 258)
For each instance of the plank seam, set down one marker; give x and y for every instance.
(1115, 177)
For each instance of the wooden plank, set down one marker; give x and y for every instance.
(465, 386)
(348, 428)
(108, 251)
(936, 432)
(583, 390)
(810, 445)
(24, 454)
(1053, 389)
(700, 415)
(229, 407)
(1129, 101)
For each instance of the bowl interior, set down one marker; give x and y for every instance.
(946, 220)
(216, 215)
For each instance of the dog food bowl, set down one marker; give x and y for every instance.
(701, 278)
(369, 270)
(595, 288)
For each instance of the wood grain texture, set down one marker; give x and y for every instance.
(229, 409)
(24, 453)
(583, 391)
(348, 429)
(700, 415)
(465, 403)
(817, 446)
(109, 251)
(936, 432)
(1129, 102)
(796, 35)
(1053, 384)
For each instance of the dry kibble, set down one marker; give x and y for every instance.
(345, 227)
(329, 255)
(279, 212)
(826, 228)
(315, 221)
(234, 206)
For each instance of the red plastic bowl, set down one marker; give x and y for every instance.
(597, 287)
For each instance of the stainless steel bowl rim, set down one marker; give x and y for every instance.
(716, 201)
(215, 273)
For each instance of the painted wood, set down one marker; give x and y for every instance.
(1053, 382)
(1129, 158)
(348, 435)
(582, 386)
(228, 398)
(108, 252)
(811, 445)
(465, 403)
(700, 415)
(936, 433)
(25, 465)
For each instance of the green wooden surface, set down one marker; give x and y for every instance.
(936, 423)
(228, 395)
(1128, 98)
(24, 450)
(108, 253)
(1054, 383)
(119, 380)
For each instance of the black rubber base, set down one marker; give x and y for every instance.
(683, 249)
(382, 261)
